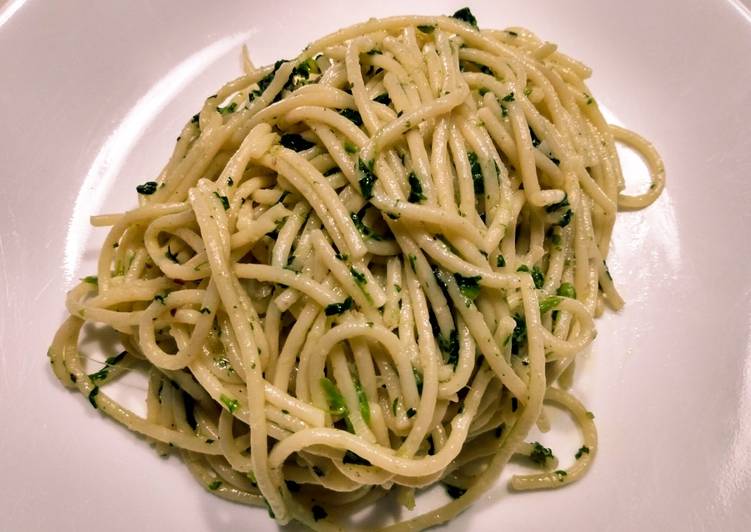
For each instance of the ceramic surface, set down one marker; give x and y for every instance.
(93, 94)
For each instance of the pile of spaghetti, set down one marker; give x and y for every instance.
(364, 270)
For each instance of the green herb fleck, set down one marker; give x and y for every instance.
(350, 148)
(519, 334)
(581, 452)
(483, 91)
(418, 380)
(147, 189)
(535, 139)
(364, 230)
(466, 15)
(538, 277)
(110, 362)
(367, 178)
(338, 308)
(468, 286)
(567, 290)
(454, 492)
(352, 115)
(477, 179)
(549, 303)
(215, 485)
(566, 218)
(295, 142)
(171, 256)
(92, 396)
(266, 81)
(337, 405)
(509, 97)
(91, 279)
(354, 458)
(426, 28)
(383, 98)
(560, 474)
(231, 404)
(411, 412)
(415, 189)
(318, 513)
(500, 261)
(228, 109)
(223, 199)
(555, 206)
(362, 399)
(413, 262)
(450, 346)
(540, 454)
(358, 276)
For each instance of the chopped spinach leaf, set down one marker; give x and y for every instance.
(450, 346)
(415, 189)
(555, 206)
(367, 178)
(383, 98)
(352, 115)
(318, 512)
(566, 218)
(549, 303)
(567, 290)
(454, 492)
(468, 286)
(540, 454)
(338, 308)
(147, 189)
(466, 15)
(355, 459)
(228, 109)
(295, 142)
(477, 179)
(110, 362)
(223, 199)
(92, 396)
(231, 404)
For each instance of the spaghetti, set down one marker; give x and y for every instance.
(365, 270)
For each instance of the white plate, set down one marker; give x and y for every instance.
(93, 94)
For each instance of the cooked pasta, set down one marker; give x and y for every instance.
(365, 270)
